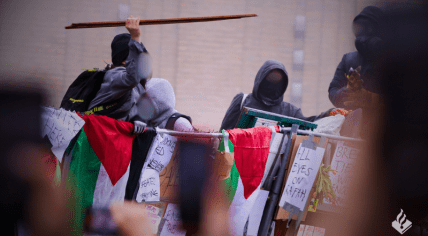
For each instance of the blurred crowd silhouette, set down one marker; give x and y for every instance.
(391, 172)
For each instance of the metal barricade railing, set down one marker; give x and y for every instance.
(275, 187)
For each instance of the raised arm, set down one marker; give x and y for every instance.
(138, 63)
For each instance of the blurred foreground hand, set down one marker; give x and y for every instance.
(131, 218)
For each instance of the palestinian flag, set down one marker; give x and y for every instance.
(100, 161)
(251, 150)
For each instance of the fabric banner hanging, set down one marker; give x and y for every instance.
(59, 127)
(100, 160)
(158, 157)
(251, 150)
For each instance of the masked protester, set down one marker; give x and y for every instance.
(156, 107)
(127, 77)
(355, 84)
(268, 94)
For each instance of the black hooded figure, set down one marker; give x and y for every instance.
(268, 95)
(367, 30)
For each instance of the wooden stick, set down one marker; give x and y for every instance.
(157, 21)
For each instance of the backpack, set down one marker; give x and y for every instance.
(84, 89)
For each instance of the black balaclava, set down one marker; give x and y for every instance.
(272, 90)
(120, 48)
(267, 92)
(368, 42)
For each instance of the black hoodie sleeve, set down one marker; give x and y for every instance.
(296, 112)
(338, 84)
(233, 113)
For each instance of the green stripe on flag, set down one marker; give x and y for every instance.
(85, 166)
(82, 178)
(231, 183)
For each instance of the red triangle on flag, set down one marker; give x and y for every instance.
(111, 141)
(251, 153)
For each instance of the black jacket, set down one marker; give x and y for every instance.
(254, 100)
(339, 82)
(369, 47)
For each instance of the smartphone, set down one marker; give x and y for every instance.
(98, 221)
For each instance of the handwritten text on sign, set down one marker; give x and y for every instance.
(154, 218)
(159, 156)
(149, 190)
(60, 127)
(343, 162)
(172, 224)
(302, 176)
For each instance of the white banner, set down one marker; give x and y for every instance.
(157, 159)
(60, 126)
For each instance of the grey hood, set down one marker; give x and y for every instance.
(267, 67)
(157, 103)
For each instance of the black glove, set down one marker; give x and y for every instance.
(139, 127)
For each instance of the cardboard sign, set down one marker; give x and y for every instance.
(302, 176)
(343, 163)
(301, 230)
(169, 177)
(309, 230)
(154, 218)
(318, 231)
(223, 163)
(172, 224)
(169, 181)
(153, 209)
(295, 143)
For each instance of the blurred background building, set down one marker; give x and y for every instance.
(207, 63)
